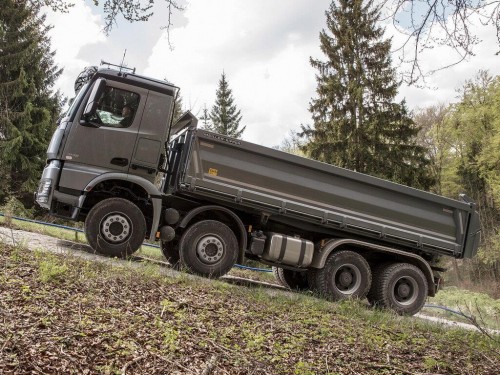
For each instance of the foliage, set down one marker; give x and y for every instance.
(28, 107)
(479, 305)
(475, 125)
(14, 207)
(430, 23)
(130, 10)
(178, 111)
(466, 159)
(435, 138)
(225, 117)
(357, 123)
(205, 119)
(51, 270)
(291, 144)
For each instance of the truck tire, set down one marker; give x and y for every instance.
(115, 227)
(170, 251)
(208, 248)
(401, 287)
(376, 271)
(277, 276)
(291, 279)
(311, 280)
(346, 274)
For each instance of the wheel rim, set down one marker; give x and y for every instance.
(347, 279)
(116, 228)
(405, 290)
(210, 249)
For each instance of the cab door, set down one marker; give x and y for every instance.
(107, 146)
(152, 135)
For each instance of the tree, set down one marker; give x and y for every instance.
(225, 116)
(292, 143)
(205, 119)
(130, 10)
(474, 168)
(431, 23)
(28, 107)
(357, 124)
(435, 137)
(178, 111)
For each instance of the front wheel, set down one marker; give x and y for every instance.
(401, 287)
(115, 227)
(208, 248)
(346, 274)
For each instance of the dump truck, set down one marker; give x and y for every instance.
(212, 200)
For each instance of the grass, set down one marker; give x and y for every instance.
(479, 305)
(146, 251)
(65, 234)
(62, 314)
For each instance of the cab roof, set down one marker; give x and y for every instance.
(138, 80)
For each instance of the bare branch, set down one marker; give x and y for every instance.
(430, 23)
(129, 10)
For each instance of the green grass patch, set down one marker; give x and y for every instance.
(67, 313)
(484, 308)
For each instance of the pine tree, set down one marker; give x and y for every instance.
(28, 107)
(205, 120)
(225, 116)
(357, 123)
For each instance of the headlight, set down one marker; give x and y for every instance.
(44, 190)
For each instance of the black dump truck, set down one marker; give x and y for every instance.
(118, 163)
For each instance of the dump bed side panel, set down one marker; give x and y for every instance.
(286, 184)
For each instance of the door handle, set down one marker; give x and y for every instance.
(121, 162)
(145, 167)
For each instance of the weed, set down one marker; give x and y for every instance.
(303, 368)
(51, 271)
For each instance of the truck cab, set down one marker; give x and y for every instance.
(114, 129)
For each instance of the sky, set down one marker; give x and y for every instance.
(262, 46)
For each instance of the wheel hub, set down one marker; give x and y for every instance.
(115, 228)
(210, 249)
(406, 290)
(347, 279)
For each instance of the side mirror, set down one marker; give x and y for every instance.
(94, 97)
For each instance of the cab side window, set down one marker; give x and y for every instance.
(116, 108)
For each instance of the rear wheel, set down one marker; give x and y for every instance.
(208, 248)
(277, 276)
(291, 279)
(346, 274)
(115, 227)
(401, 287)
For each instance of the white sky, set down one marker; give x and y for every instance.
(263, 47)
